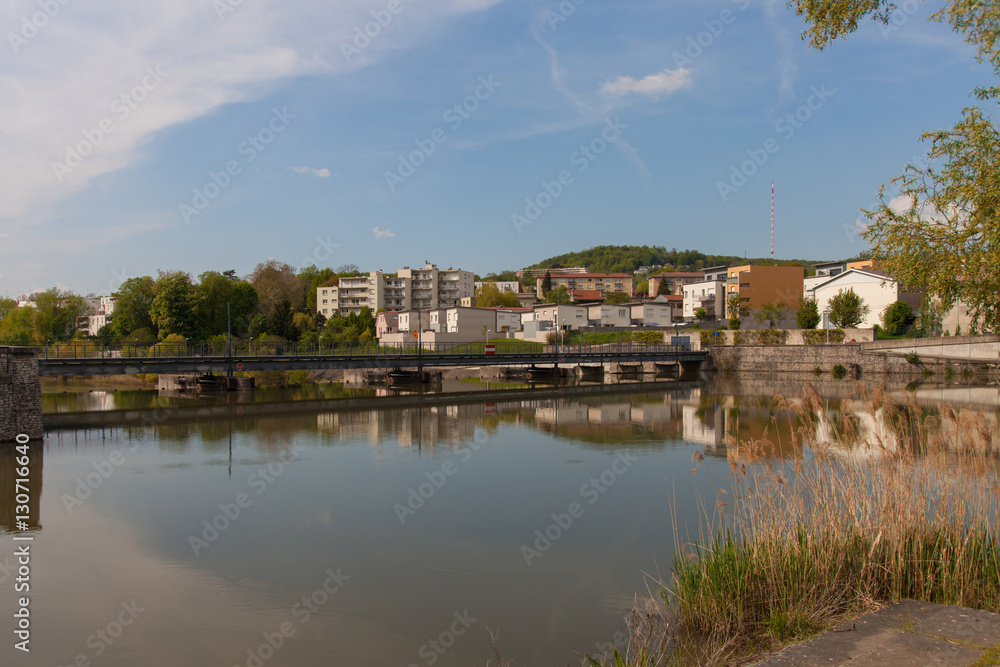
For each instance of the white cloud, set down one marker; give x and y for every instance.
(321, 173)
(383, 233)
(662, 83)
(61, 83)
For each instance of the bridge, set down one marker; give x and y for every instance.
(63, 359)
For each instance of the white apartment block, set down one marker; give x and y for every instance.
(410, 289)
(502, 285)
(707, 294)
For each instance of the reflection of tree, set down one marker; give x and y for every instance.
(8, 487)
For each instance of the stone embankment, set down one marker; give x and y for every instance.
(20, 394)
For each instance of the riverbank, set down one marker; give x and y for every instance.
(893, 502)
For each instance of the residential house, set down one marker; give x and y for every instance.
(610, 315)
(386, 322)
(652, 313)
(408, 289)
(707, 294)
(876, 289)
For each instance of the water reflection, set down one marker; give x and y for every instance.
(33, 486)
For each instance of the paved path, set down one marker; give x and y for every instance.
(906, 633)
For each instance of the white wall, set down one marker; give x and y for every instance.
(871, 290)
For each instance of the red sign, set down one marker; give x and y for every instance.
(239, 366)
(491, 349)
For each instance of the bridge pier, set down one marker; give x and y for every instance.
(20, 394)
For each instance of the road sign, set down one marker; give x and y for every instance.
(239, 367)
(491, 349)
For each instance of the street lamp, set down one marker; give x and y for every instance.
(826, 324)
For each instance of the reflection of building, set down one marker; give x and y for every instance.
(450, 425)
(9, 488)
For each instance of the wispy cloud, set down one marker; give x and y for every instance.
(60, 86)
(321, 173)
(662, 83)
(383, 233)
(775, 15)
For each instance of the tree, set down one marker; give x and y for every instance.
(547, 283)
(937, 227)
(807, 316)
(275, 281)
(173, 309)
(662, 289)
(134, 301)
(701, 314)
(931, 316)
(312, 278)
(617, 297)
(18, 326)
(736, 307)
(56, 313)
(897, 317)
(282, 322)
(847, 309)
(244, 302)
(211, 297)
(558, 295)
(490, 296)
(772, 313)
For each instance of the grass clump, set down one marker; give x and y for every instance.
(886, 502)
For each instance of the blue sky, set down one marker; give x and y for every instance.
(201, 135)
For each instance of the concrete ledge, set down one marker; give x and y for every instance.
(905, 633)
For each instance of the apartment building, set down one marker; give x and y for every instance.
(598, 282)
(431, 287)
(103, 309)
(707, 294)
(502, 285)
(409, 289)
(675, 281)
(763, 284)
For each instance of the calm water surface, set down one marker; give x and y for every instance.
(390, 536)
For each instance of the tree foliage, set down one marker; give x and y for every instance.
(772, 313)
(807, 316)
(617, 297)
(490, 296)
(173, 310)
(897, 318)
(937, 226)
(847, 309)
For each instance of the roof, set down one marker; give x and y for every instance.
(586, 295)
(679, 274)
(593, 275)
(865, 272)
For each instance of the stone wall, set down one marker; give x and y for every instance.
(20, 393)
(856, 361)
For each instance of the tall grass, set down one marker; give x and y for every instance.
(886, 502)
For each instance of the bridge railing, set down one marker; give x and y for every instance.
(250, 349)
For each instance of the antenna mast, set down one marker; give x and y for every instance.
(772, 219)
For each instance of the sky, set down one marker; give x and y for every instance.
(197, 135)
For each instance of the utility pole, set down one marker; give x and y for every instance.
(229, 335)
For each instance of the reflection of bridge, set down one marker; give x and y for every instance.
(199, 358)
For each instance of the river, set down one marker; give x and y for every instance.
(331, 526)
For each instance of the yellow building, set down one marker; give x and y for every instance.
(600, 282)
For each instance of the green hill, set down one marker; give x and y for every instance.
(627, 258)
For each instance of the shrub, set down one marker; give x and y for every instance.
(839, 371)
(651, 337)
(818, 336)
(913, 358)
